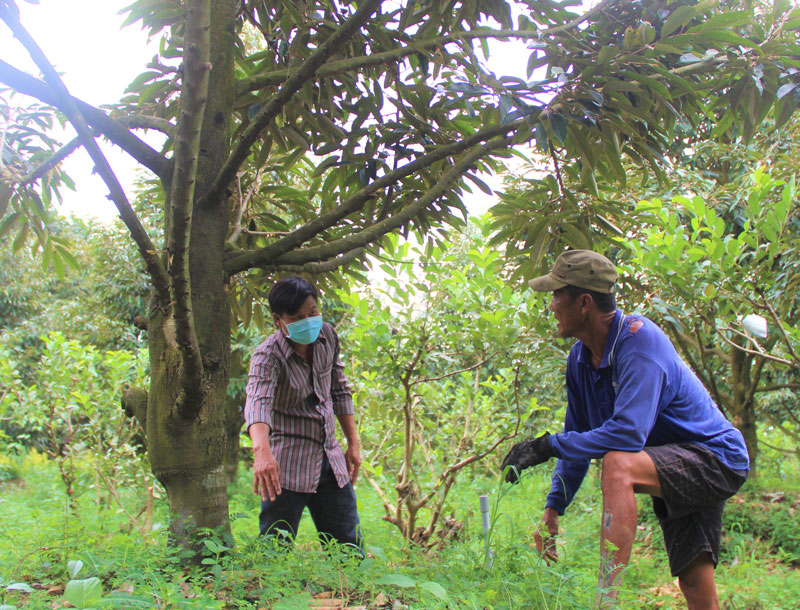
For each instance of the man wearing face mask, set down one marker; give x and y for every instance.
(296, 389)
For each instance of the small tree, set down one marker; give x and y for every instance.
(702, 274)
(440, 358)
(68, 409)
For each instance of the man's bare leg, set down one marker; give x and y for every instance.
(624, 475)
(698, 585)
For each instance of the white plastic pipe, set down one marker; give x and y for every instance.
(486, 521)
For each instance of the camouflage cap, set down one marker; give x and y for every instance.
(581, 268)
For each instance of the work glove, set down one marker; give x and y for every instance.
(526, 454)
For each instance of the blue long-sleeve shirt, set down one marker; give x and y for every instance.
(658, 400)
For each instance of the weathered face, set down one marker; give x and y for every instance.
(567, 312)
(307, 310)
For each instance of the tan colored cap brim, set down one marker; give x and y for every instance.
(546, 283)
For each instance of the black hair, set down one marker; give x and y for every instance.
(606, 301)
(289, 294)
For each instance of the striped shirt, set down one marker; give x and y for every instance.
(299, 401)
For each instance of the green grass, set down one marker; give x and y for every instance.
(40, 533)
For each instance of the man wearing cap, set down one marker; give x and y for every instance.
(633, 403)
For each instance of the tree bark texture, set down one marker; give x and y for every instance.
(188, 454)
(742, 407)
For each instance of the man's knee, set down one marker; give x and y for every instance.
(625, 470)
(617, 470)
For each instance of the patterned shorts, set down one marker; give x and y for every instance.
(695, 484)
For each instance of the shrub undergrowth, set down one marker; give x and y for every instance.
(46, 537)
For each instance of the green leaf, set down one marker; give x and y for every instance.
(649, 82)
(785, 89)
(74, 567)
(560, 127)
(320, 169)
(663, 47)
(8, 223)
(729, 38)
(606, 53)
(723, 125)
(68, 257)
(679, 18)
(58, 265)
(436, 589)
(586, 151)
(787, 106)
(22, 235)
(479, 183)
(725, 21)
(541, 140)
(301, 601)
(83, 593)
(398, 580)
(614, 85)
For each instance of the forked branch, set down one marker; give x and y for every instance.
(275, 252)
(110, 128)
(374, 232)
(67, 105)
(282, 97)
(196, 69)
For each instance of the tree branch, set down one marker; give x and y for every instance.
(194, 93)
(786, 341)
(779, 386)
(52, 162)
(685, 342)
(66, 103)
(325, 266)
(246, 260)
(292, 85)
(779, 449)
(712, 380)
(379, 229)
(459, 371)
(244, 202)
(143, 121)
(111, 128)
(356, 64)
(782, 428)
(756, 352)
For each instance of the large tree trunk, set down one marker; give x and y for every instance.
(188, 456)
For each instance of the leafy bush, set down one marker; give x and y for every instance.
(9, 470)
(70, 410)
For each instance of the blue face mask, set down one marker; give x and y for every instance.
(305, 331)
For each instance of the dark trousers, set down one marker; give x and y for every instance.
(332, 508)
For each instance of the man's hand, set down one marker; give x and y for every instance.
(266, 474)
(352, 456)
(526, 454)
(353, 459)
(546, 540)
